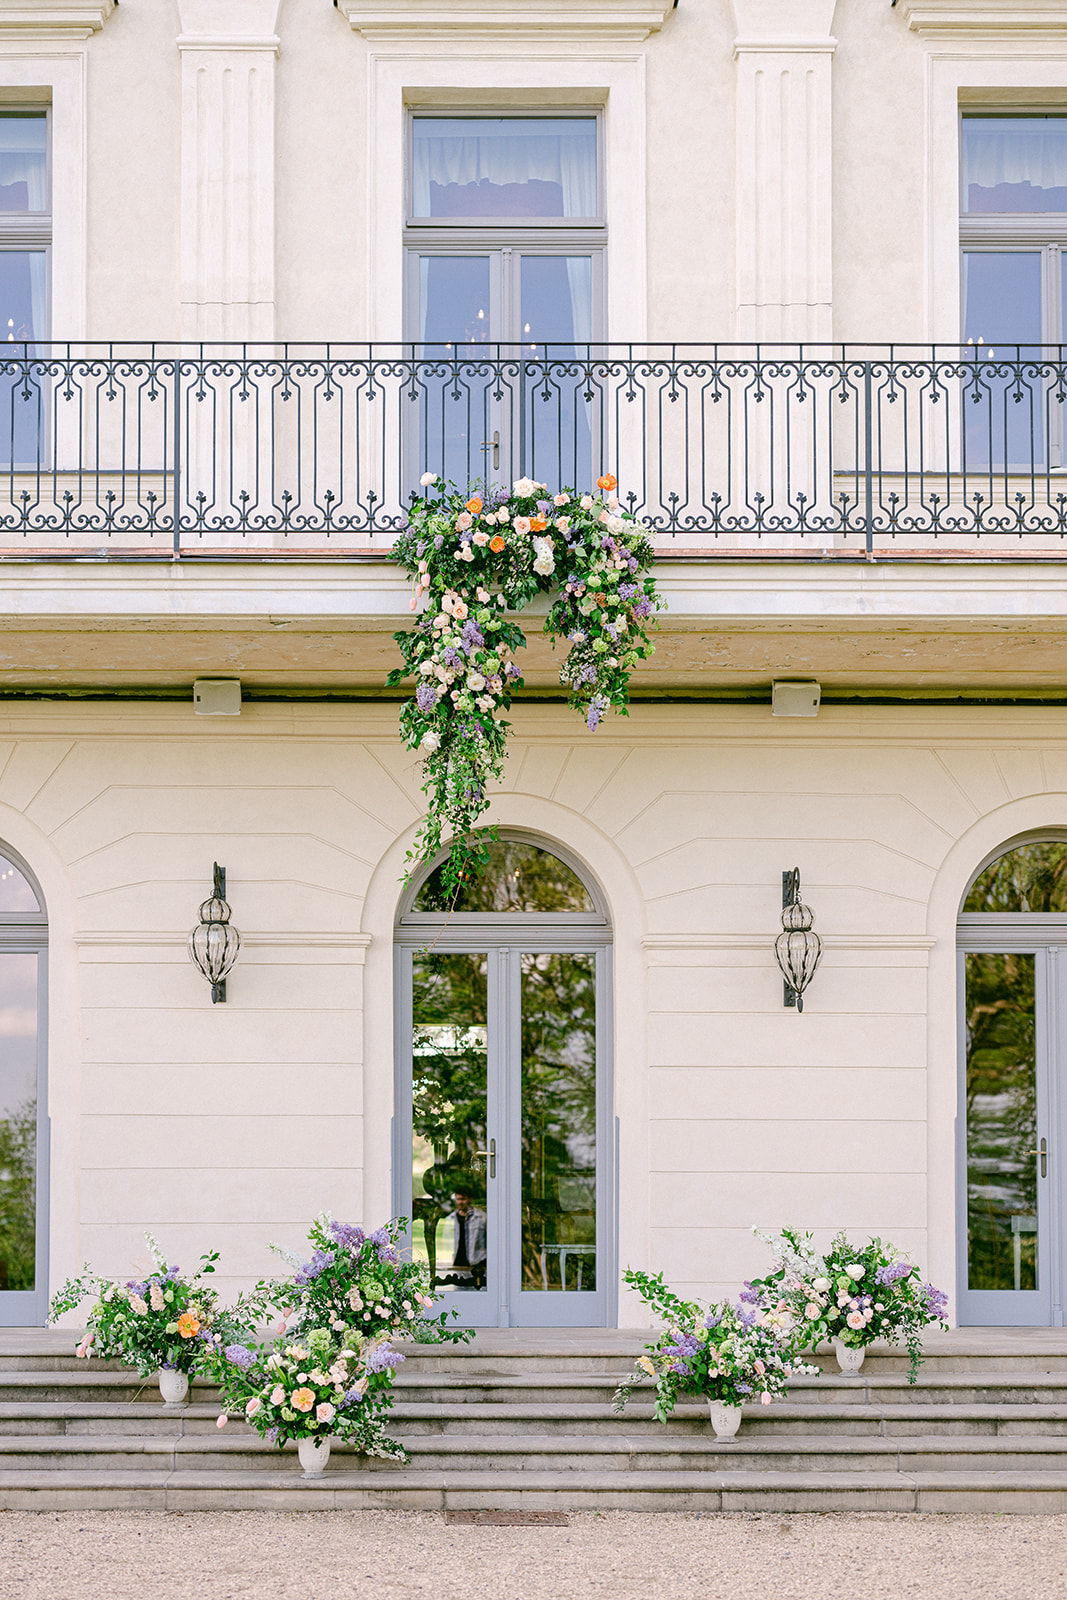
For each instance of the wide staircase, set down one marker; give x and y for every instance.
(523, 1419)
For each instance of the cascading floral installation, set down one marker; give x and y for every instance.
(476, 559)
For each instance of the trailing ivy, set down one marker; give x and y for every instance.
(477, 560)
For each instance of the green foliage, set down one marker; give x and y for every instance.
(854, 1293)
(477, 560)
(160, 1321)
(723, 1352)
(18, 1196)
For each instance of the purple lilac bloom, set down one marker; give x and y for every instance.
(544, 507)
(750, 1295)
(597, 706)
(138, 1289)
(426, 697)
(889, 1275)
(936, 1300)
(379, 1237)
(314, 1268)
(633, 563)
(271, 1435)
(348, 1235)
(382, 1358)
(438, 540)
(388, 1252)
(643, 608)
(742, 1388)
(746, 1317)
(240, 1355)
(586, 674)
(353, 1397)
(712, 1320)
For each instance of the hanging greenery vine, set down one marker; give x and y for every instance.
(476, 560)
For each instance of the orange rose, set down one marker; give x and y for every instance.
(608, 481)
(474, 505)
(188, 1325)
(538, 524)
(496, 544)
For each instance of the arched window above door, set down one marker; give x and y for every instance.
(1027, 879)
(520, 878)
(18, 898)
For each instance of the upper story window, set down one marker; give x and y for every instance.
(25, 226)
(505, 245)
(1014, 164)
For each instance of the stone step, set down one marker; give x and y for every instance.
(556, 1453)
(347, 1488)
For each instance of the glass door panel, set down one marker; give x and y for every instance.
(556, 313)
(458, 412)
(557, 1256)
(18, 1128)
(451, 1178)
(1006, 1276)
(1004, 407)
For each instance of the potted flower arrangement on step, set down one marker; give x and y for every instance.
(727, 1354)
(849, 1296)
(311, 1388)
(155, 1324)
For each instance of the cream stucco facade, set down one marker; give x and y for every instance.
(773, 170)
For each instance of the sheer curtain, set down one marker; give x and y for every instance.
(512, 151)
(23, 159)
(1031, 150)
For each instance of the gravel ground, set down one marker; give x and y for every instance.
(393, 1555)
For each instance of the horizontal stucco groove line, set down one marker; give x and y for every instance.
(339, 941)
(755, 941)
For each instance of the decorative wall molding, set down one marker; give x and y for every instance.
(53, 19)
(171, 939)
(765, 942)
(228, 50)
(784, 50)
(956, 19)
(405, 20)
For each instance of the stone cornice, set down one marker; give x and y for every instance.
(52, 19)
(408, 21)
(956, 19)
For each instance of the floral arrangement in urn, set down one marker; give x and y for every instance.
(154, 1324)
(851, 1295)
(315, 1386)
(728, 1354)
(353, 1280)
(476, 559)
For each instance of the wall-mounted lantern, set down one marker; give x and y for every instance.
(797, 948)
(215, 943)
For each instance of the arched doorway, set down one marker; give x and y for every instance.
(1012, 941)
(23, 1107)
(502, 1136)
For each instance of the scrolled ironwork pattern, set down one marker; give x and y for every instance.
(736, 450)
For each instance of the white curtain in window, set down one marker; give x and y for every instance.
(1009, 152)
(38, 293)
(22, 157)
(513, 154)
(580, 284)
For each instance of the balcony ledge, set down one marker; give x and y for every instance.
(729, 625)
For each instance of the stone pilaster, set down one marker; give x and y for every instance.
(784, 52)
(228, 50)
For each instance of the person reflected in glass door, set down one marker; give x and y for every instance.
(468, 1224)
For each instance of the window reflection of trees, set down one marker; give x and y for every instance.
(449, 1088)
(558, 1117)
(1030, 878)
(1001, 1119)
(517, 877)
(18, 1195)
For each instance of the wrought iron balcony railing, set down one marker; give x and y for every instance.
(185, 451)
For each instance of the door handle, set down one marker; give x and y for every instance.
(491, 1153)
(1043, 1153)
(493, 444)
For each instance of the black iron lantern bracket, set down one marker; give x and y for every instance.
(797, 948)
(215, 943)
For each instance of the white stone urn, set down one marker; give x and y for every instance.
(725, 1419)
(849, 1357)
(314, 1454)
(173, 1386)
